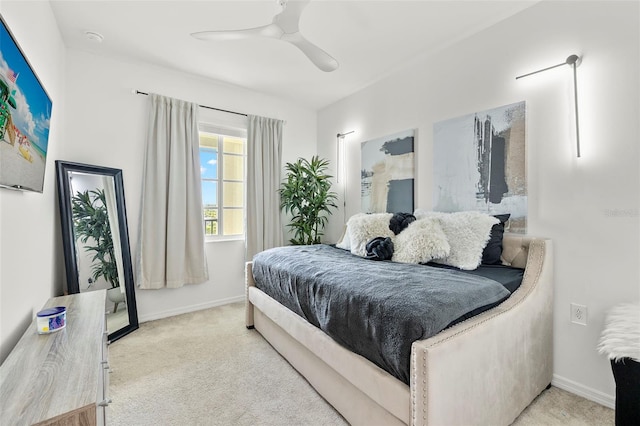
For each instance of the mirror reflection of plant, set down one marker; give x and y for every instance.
(306, 194)
(91, 220)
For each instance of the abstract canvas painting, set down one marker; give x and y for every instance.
(387, 174)
(479, 164)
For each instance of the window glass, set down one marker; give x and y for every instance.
(209, 193)
(208, 140)
(210, 227)
(233, 167)
(233, 194)
(223, 183)
(233, 221)
(233, 145)
(208, 163)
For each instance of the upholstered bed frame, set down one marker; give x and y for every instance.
(484, 370)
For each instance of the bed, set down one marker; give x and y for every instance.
(483, 370)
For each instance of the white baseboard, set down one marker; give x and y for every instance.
(190, 308)
(584, 391)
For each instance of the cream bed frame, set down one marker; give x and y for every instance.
(484, 370)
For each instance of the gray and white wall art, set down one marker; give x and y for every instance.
(387, 174)
(479, 164)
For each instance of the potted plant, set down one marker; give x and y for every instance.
(306, 194)
(91, 227)
(91, 221)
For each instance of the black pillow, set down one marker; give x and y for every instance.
(399, 221)
(380, 248)
(493, 250)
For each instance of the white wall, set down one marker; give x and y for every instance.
(106, 125)
(97, 120)
(30, 259)
(588, 206)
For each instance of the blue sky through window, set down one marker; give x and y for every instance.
(208, 163)
(209, 193)
(209, 170)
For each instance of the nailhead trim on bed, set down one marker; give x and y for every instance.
(536, 256)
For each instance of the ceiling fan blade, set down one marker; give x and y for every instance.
(285, 26)
(319, 57)
(271, 30)
(289, 18)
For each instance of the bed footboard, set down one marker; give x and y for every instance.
(487, 369)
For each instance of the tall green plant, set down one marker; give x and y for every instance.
(306, 194)
(91, 221)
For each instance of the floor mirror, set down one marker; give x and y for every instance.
(96, 240)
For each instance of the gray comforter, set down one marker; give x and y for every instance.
(375, 309)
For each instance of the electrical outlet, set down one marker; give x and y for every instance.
(578, 314)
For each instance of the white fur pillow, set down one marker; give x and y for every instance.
(422, 241)
(363, 227)
(467, 233)
(345, 241)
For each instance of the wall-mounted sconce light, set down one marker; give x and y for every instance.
(573, 61)
(341, 172)
(341, 157)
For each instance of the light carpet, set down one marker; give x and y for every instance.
(206, 368)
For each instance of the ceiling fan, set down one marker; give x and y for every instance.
(283, 27)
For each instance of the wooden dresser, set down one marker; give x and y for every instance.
(59, 378)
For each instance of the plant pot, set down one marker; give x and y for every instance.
(115, 295)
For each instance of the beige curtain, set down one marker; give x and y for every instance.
(171, 239)
(264, 159)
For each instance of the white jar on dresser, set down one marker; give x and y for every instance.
(60, 378)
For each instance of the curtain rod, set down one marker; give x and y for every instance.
(137, 92)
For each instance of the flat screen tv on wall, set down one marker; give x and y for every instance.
(25, 113)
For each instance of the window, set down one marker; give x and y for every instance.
(222, 167)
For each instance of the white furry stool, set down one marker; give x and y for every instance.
(620, 341)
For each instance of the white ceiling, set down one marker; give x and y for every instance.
(370, 39)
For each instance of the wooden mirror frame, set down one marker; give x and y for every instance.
(66, 218)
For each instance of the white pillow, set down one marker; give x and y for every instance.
(421, 214)
(422, 241)
(363, 227)
(467, 233)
